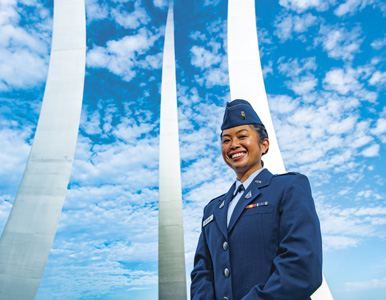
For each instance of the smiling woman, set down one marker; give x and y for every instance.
(265, 241)
(242, 149)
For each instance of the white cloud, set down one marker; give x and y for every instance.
(14, 152)
(203, 58)
(5, 209)
(133, 19)
(282, 104)
(378, 78)
(371, 151)
(118, 163)
(338, 242)
(23, 45)
(380, 127)
(210, 59)
(121, 57)
(287, 24)
(382, 7)
(293, 67)
(339, 42)
(343, 126)
(264, 36)
(351, 6)
(347, 227)
(302, 5)
(379, 43)
(342, 81)
(348, 81)
(302, 85)
(366, 285)
(14, 74)
(321, 131)
(96, 11)
(371, 211)
(160, 3)
(96, 273)
(211, 2)
(267, 69)
(214, 77)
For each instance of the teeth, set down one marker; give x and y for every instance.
(237, 155)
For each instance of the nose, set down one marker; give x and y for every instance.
(234, 144)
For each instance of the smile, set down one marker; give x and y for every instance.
(237, 155)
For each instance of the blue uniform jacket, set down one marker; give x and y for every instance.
(271, 250)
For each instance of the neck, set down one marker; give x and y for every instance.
(243, 176)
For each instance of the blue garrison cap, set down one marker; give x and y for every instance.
(239, 112)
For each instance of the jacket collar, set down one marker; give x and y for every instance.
(251, 193)
(221, 210)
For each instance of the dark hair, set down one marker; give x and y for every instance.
(261, 133)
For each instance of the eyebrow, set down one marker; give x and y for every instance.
(222, 135)
(241, 130)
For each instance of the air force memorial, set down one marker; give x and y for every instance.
(31, 225)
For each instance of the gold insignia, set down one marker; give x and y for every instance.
(243, 114)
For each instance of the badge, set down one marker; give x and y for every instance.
(208, 220)
(249, 195)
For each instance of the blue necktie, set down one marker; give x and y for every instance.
(239, 190)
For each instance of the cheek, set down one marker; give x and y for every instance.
(224, 151)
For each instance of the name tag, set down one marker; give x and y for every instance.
(208, 220)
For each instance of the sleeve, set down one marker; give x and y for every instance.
(297, 267)
(202, 286)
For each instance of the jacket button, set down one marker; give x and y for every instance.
(226, 298)
(225, 246)
(226, 272)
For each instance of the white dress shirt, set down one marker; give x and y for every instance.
(237, 194)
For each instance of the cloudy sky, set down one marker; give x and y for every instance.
(324, 63)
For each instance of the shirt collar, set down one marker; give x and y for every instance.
(248, 181)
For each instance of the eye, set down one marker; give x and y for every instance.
(225, 141)
(243, 136)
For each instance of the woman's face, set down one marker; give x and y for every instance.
(241, 150)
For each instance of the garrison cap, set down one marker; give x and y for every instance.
(239, 112)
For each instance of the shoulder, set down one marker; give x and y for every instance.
(290, 178)
(214, 200)
(212, 203)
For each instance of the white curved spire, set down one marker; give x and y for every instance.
(247, 82)
(171, 254)
(245, 74)
(31, 226)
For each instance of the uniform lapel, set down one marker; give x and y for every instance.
(251, 193)
(221, 211)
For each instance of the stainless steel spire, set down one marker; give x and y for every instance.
(245, 74)
(171, 270)
(31, 226)
(246, 82)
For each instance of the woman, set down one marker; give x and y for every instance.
(261, 240)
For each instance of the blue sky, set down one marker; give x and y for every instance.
(324, 63)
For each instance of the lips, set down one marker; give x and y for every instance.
(237, 155)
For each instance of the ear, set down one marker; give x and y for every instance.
(264, 146)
